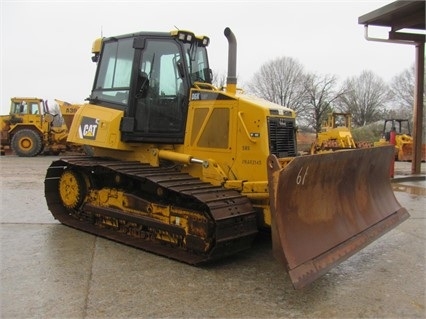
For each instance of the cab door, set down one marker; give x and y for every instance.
(161, 102)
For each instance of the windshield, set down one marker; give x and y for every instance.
(196, 58)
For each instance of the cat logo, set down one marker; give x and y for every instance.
(88, 128)
(196, 96)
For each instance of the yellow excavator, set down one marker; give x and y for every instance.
(192, 172)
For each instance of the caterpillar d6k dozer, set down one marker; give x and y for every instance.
(192, 172)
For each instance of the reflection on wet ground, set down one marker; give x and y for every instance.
(410, 189)
(48, 270)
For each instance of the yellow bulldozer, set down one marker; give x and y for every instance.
(403, 139)
(335, 134)
(192, 172)
(33, 127)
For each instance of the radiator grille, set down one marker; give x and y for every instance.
(282, 137)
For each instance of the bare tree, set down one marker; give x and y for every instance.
(219, 79)
(365, 98)
(402, 87)
(280, 81)
(321, 92)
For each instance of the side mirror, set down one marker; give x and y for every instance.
(208, 75)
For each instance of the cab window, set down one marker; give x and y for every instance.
(113, 80)
(34, 108)
(19, 108)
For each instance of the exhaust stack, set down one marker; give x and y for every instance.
(231, 80)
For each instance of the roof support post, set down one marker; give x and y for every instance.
(418, 108)
(403, 15)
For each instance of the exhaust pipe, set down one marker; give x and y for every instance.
(231, 80)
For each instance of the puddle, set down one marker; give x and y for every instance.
(410, 189)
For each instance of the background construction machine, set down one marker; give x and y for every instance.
(335, 134)
(403, 139)
(192, 172)
(32, 127)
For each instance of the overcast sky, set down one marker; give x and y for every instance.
(46, 45)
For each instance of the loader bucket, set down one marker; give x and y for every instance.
(327, 207)
(406, 152)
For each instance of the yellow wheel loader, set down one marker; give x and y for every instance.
(31, 128)
(403, 139)
(192, 172)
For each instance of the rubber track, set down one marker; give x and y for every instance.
(235, 224)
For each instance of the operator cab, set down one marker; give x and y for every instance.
(148, 76)
(400, 126)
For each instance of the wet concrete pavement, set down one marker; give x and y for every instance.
(51, 271)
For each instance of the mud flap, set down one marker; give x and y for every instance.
(327, 207)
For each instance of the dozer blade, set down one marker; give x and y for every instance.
(327, 207)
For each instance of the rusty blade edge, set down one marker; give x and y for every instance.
(306, 273)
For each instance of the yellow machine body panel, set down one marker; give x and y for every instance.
(97, 126)
(230, 132)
